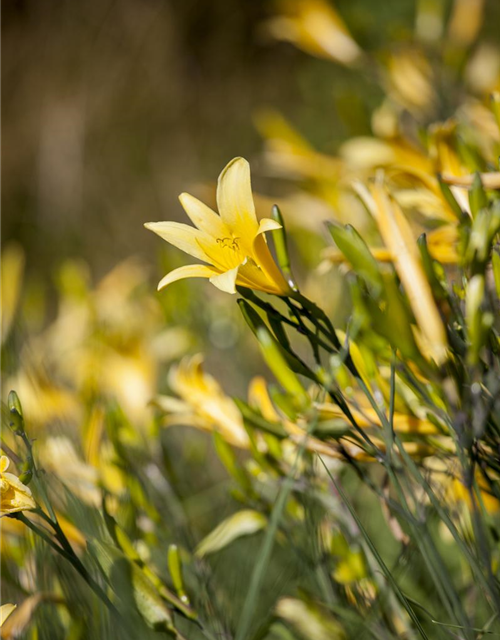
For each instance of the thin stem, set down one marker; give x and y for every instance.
(67, 553)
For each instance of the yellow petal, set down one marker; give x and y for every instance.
(5, 611)
(203, 217)
(258, 396)
(188, 271)
(264, 259)
(267, 224)
(251, 276)
(226, 281)
(4, 463)
(235, 201)
(17, 623)
(182, 236)
(398, 237)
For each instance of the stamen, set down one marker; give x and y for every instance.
(229, 243)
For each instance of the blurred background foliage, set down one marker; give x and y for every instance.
(110, 110)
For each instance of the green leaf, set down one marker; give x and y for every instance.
(240, 524)
(357, 253)
(132, 586)
(450, 198)
(477, 196)
(495, 263)
(279, 366)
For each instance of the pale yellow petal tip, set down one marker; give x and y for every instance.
(268, 224)
(226, 281)
(232, 163)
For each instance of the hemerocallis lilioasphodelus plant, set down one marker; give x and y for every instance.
(232, 244)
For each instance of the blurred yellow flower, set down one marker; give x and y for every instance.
(232, 243)
(458, 492)
(397, 236)
(5, 611)
(411, 80)
(315, 27)
(366, 417)
(109, 340)
(203, 403)
(12, 268)
(15, 495)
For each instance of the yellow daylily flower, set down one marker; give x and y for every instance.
(232, 243)
(15, 495)
(5, 611)
(202, 403)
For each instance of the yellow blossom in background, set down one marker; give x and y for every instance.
(327, 412)
(315, 27)
(232, 243)
(13, 530)
(410, 80)
(16, 625)
(202, 403)
(446, 474)
(465, 21)
(58, 456)
(459, 493)
(15, 495)
(12, 268)
(366, 416)
(5, 611)
(396, 233)
(109, 339)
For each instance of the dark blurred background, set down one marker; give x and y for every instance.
(111, 109)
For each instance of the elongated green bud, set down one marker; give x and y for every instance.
(281, 246)
(16, 419)
(473, 300)
(27, 472)
(175, 568)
